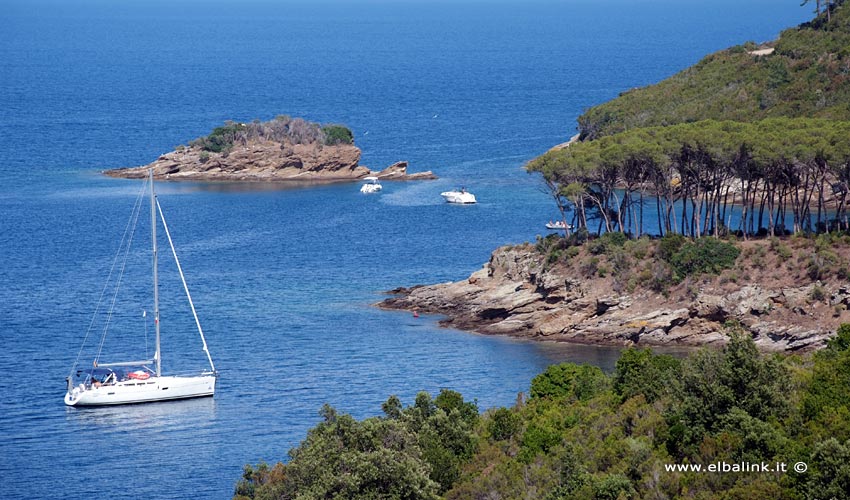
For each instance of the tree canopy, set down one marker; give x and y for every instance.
(584, 434)
(283, 129)
(778, 169)
(411, 453)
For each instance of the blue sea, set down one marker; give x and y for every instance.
(284, 278)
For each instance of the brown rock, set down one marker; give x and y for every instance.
(516, 294)
(267, 161)
(398, 172)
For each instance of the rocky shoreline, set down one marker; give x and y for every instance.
(268, 161)
(517, 294)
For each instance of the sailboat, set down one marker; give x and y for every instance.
(142, 381)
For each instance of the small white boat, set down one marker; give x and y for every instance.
(142, 381)
(461, 196)
(372, 185)
(558, 224)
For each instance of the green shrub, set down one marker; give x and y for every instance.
(450, 401)
(538, 438)
(221, 138)
(830, 474)
(757, 259)
(345, 458)
(639, 371)
(337, 134)
(607, 243)
(841, 341)
(503, 424)
(620, 262)
(568, 380)
(669, 245)
(826, 401)
(613, 487)
(578, 237)
(817, 267)
(546, 243)
(712, 383)
(602, 271)
(283, 130)
(781, 249)
(596, 247)
(703, 256)
(824, 260)
(553, 247)
(818, 294)
(639, 248)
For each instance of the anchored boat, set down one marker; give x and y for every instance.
(460, 196)
(372, 185)
(141, 381)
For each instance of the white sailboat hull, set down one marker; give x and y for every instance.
(142, 391)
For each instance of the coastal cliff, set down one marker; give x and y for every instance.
(626, 295)
(731, 147)
(284, 149)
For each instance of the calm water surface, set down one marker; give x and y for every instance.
(284, 278)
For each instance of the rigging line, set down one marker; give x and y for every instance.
(137, 203)
(185, 286)
(134, 218)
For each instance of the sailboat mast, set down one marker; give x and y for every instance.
(155, 277)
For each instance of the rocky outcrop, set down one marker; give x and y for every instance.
(398, 172)
(516, 294)
(267, 161)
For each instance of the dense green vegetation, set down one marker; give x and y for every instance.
(283, 129)
(743, 142)
(808, 75)
(337, 134)
(586, 435)
(707, 255)
(659, 264)
(693, 173)
(409, 453)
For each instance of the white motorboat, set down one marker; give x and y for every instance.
(372, 185)
(460, 196)
(142, 381)
(558, 224)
